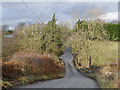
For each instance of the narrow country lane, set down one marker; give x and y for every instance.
(72, 79)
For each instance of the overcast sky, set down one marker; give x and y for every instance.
(15, 12)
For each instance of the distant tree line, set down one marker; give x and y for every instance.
(111, 28)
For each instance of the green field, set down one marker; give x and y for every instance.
(104, 52)
(105, 56)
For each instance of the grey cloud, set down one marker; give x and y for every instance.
(14, 12)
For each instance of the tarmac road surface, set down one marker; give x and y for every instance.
(72, 79)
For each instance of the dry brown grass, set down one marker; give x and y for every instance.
(11, 70)
(108, 76)
(7, 41)
(27, 67)
(9, 46)
(30, 63)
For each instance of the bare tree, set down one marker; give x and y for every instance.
(5, 27)
(20, 26)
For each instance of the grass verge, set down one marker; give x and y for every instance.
(104, 68)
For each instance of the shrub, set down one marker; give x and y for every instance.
(11, 70)
(30, 63)
(112, 30)
(44, 38)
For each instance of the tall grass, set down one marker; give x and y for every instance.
(105, 52)
(9, 46)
